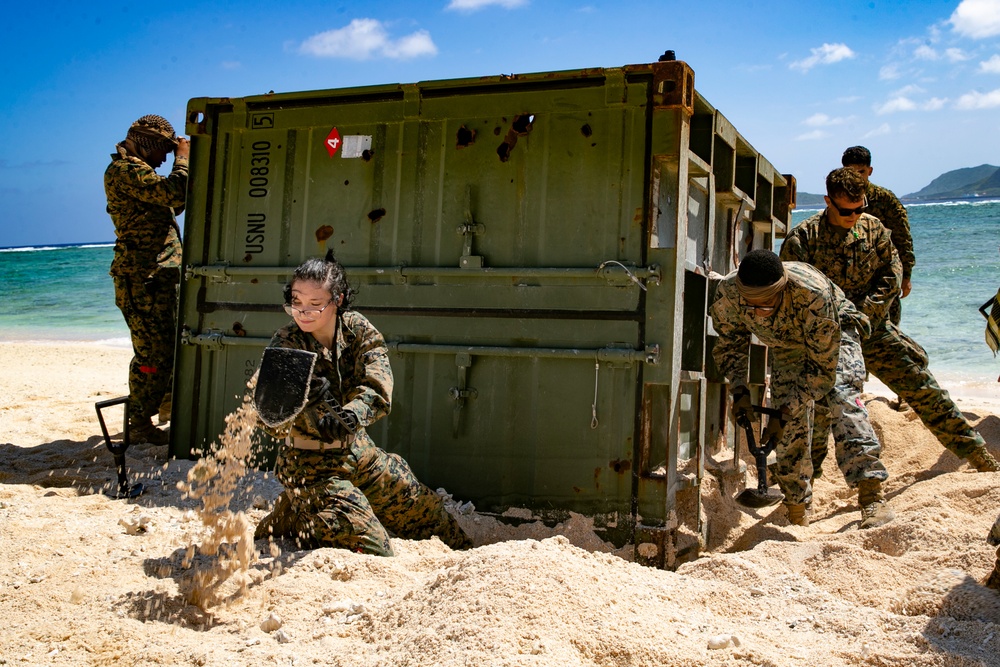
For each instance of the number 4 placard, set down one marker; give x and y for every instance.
(333, 142)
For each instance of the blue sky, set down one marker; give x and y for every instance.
(916, 82)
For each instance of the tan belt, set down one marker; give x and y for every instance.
(300, 442)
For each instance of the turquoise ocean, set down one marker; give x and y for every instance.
(64, 293)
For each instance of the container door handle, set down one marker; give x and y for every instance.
(460, 393)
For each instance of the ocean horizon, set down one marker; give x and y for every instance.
(957, 245)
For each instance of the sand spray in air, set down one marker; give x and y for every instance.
(226, 543)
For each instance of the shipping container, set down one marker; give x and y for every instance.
(537, 250)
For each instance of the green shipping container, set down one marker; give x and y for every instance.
(536, 250)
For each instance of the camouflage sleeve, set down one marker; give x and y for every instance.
(892, 214)
(370, 397)
(792, 249)
(819, 367)
(732, 348)
(141, 182)
(884, 286)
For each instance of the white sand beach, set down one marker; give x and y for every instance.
(89, 580)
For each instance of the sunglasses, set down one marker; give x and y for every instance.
(845, 212)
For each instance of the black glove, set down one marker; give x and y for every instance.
(742, 406)
(319, 387)
(337, 423)
(774, 430)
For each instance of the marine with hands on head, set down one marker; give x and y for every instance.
(147, 259)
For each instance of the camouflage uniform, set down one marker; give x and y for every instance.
(864, 263)
(348, 497)
(812, 340)
(884, 205)
(146, 271)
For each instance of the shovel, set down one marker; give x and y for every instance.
(760, 497)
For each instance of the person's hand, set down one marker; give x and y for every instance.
(318, 388)
(183, 147)
(904, 288)
(774, 430)
(337, 424)
(742, 406)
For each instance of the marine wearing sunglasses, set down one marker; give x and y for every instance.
(844, 212)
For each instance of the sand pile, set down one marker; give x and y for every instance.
(88, 580)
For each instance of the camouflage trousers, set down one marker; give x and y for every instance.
(901, 364)
(150, 310)
(351, 498)
(858, 448)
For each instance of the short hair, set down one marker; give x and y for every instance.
(845, 183)
(856, 155)
(329, 273)
(760, 268)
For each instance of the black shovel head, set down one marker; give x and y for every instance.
(759, 497)
(283, 384)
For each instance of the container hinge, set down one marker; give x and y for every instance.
(468, 230)
(460, 393)
(217, 273)
(210, 339)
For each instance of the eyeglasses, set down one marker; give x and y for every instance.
(295, 311)
(846, 212)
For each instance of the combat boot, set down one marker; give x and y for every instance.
(981, 459)
(139, 433)
(278, 523)
(797, 514)
(163, 414)
(874, 511)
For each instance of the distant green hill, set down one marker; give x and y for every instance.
(981, 181)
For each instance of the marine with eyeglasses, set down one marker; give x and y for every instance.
(855, 251)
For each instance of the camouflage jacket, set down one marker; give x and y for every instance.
(861, 261)
(803, 333)
(884, 205)
(142, 204)
(358, 370)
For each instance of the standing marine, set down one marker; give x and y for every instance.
(147, 260)
(812, 332)
(885, 206)
(341, 490)
(855, 251)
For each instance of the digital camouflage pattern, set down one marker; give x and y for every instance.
(861, 261)
(884, 205)
(349, 497)
(815, 360)
(146, 271)
(861, 265)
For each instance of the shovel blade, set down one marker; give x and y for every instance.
(283, 384)
(757, 499)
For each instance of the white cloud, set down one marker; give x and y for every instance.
(991, 66)
(474, 5)
(878, 131)
(824, 55)
(367, 38)
(955, 55)
(889, 72)
(900, 103)
(924, 52)
(812, 136)
(822, 120)
(903, 100)
(976, 100)
(977, 18)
